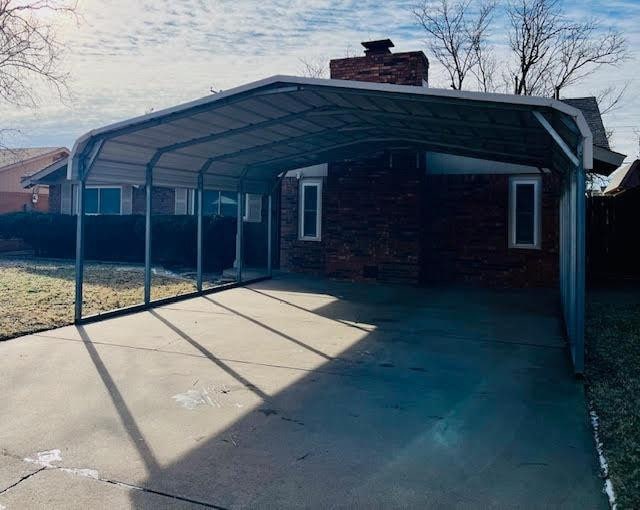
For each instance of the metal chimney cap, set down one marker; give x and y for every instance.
(377, 47)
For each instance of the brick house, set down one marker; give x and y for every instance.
(371, 175)
(109, 198)
(15, 165)
(397, 214)
(410, 217)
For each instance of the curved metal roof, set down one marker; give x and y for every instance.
(255, 132)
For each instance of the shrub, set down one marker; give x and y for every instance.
(121, 238)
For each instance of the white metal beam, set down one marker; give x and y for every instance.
(80, 228)
(557, 138)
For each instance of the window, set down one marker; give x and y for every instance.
(210, 202)
(310, 206)
(229, 203)
(102, 200)
(524, 212)
(214, 203)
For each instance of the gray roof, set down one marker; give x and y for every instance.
(591, 111)
(626, 177)
(55, 173)
(10, 157)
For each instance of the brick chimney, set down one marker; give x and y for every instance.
(380, 65)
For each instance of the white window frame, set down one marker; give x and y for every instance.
(536, 180)
(309, 183)
(75, 199)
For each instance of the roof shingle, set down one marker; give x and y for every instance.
(591, 111)
(12, 156)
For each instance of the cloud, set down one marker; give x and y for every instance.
(129, 56)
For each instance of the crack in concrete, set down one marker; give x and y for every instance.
(92, 474)
(25, 477)
(161, 493)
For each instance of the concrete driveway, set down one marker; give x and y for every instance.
(300, 392)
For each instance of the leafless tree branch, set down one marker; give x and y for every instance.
(31, 53)
(486, 66)
(552, 51)
(314, 67)
(456, 37)
(610, 98)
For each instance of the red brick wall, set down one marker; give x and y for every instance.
(372, 218)
(299, 256)
(55, 197)
(370, 222)
(411, 228)
(15, 202)
(466, 233)
(410, 68)
(162, 201)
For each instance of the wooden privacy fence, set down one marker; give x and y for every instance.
(613, 237)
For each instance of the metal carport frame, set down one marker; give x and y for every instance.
(245, 138)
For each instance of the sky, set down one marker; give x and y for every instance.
(127, 57)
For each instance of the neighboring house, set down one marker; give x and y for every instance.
(15, 164)
(624, 179)
(405, 216)
(124, 198)
(605, 161)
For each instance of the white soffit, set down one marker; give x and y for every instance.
(450, 164)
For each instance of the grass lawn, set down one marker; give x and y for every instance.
(37, 295)
(613, 384)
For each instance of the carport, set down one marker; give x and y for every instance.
(245, 139)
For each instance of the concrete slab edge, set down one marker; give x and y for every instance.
(118, 312)
(604, 465)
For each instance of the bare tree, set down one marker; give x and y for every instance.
(314, 67)
(456, 37)
(610, 98)
(8, 134)
(552, 51)
(486, 66)
(30, 51)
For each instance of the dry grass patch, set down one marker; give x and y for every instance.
(37, 295)
(613, 384)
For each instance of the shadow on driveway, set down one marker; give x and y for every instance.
(431, 408)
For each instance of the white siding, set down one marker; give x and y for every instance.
(66, 195)
(181, 200)
(127, 199)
